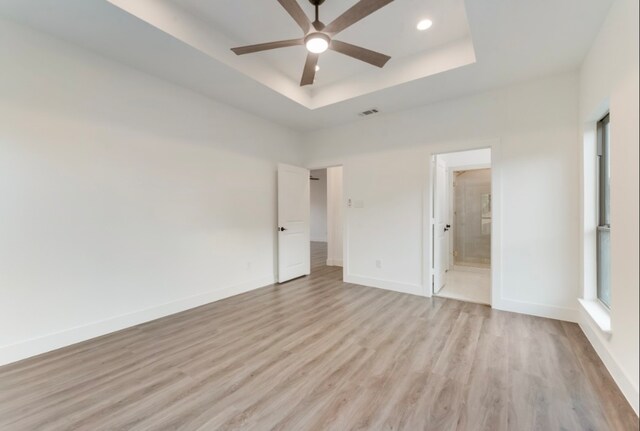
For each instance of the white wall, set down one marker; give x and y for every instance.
(466, 159)
(609, 82)
(319, 206)
(124, 198)
(335, 203)
(386, 169)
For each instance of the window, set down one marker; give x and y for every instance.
(604, 213)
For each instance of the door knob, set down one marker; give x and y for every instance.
(282, 229)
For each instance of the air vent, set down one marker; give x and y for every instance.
(369, 112)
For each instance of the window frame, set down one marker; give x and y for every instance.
(603, 206)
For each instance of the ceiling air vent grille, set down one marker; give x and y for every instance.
(369, 112)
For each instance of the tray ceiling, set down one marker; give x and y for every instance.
(215, 27)
(512, 41)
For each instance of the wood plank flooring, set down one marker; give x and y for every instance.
(320, 354)
(319, 257)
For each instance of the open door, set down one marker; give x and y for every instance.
(294, 258)
(440, 226)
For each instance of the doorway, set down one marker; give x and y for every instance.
(462, 225)
(326, 220)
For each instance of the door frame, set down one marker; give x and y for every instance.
(496, 220)
(345, 236)
(435, 184)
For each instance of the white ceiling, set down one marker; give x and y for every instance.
(280, 69)
(512, 41)
(243, 21)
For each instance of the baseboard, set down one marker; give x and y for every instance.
(626, 385)
(412, 289)
(334, 262)
(540, 310)
(39, 345)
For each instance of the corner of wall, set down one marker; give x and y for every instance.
(36, 346)
(628, 388)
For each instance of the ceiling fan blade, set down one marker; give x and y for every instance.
(293, 8)
(360, 10)
(359, 53)
(266, 46)
(309, 72)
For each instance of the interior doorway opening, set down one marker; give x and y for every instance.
(462, 225)
(326, 220)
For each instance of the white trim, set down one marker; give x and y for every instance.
(412, 289)
(598, 314)
(326, 165)
(469, 167)
(334, 262)
(345, 223)
(589, 211)
(46, 343)
(626, 384)
(540, 310)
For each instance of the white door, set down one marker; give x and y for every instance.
(440, 228)
(294, 259)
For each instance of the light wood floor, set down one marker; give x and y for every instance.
(319, 354)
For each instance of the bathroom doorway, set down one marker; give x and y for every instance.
(462, 224)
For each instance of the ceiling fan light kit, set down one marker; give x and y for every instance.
(318, 38)
(317, 43)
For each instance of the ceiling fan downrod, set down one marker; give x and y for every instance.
(316, 3)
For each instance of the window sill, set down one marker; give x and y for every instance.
(598, 313)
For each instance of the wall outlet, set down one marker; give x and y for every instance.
(378, 264)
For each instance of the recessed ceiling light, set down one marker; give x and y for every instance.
(317, 68)
(424, 24)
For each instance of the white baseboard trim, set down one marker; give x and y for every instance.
(626, 385)
(334, 262)
(413, 289)
(46, 343)
(540, 310)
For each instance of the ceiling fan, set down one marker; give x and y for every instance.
(319, 37)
